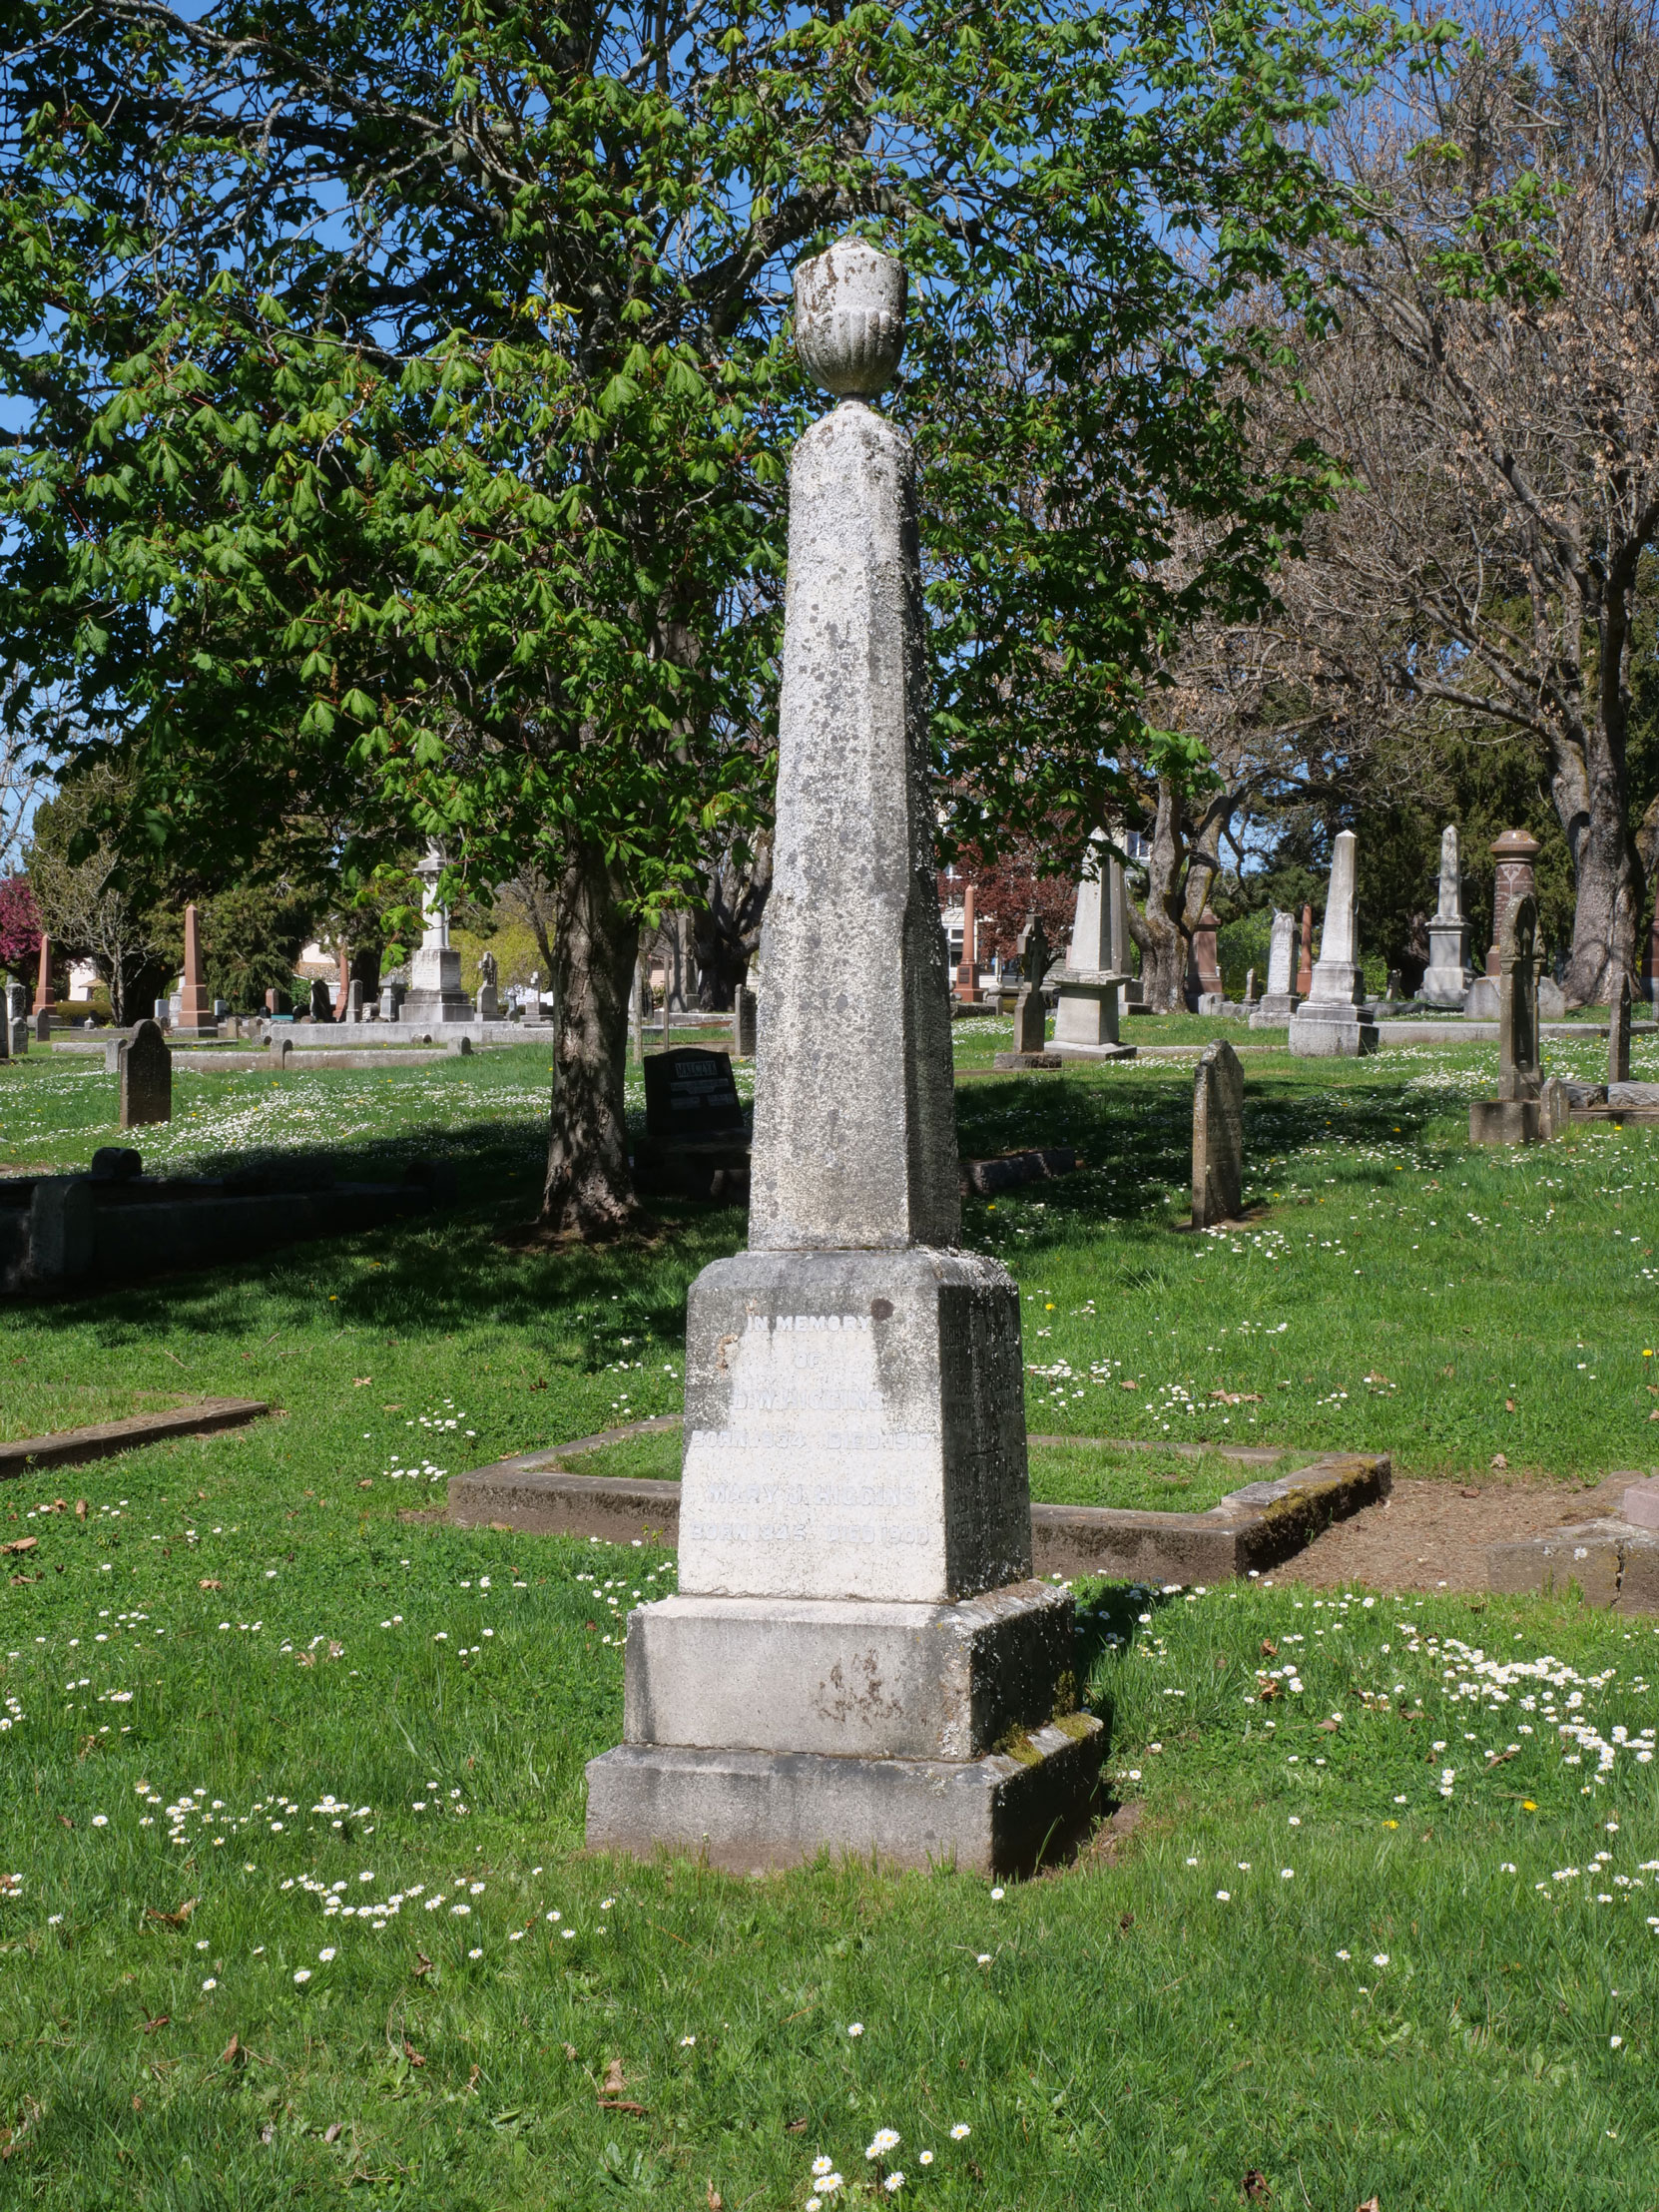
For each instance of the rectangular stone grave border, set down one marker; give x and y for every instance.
(1250, 1530)
(76, 1447)
(1612, 1563)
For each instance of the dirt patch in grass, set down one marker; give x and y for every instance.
(1434, 1535)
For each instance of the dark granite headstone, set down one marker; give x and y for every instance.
(322, 1006)
(691, 1097)
(145, 1077)
(116, 1163)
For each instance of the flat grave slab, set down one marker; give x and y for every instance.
(76, 1447)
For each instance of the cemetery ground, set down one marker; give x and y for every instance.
(295, 1901)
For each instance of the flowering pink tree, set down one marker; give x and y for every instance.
(19, 926)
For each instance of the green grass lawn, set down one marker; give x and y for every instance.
(249, 1705)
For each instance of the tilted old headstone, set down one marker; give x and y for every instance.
(1218, 1135)
(1333, 1022)
(742, 1022)
(856, 1626)
(1279, 1000)
(1446, 980)
(1618, 1029)
(146, 1073)
(1513, 1116)
(1087, 987)
(1030, 1006)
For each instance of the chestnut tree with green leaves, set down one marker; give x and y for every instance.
(408, 396)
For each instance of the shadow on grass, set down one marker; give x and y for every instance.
(1135, 1134)
(433, 1275)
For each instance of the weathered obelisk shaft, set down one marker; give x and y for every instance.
(854, 1119)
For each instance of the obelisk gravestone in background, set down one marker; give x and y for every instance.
(856, 1626)
(145, 1067)
(1332, 1022)
(1447, 977)
(195, 1014)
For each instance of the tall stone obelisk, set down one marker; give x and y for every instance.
(856, 1626)
(1332, 1020)
(1446, 980)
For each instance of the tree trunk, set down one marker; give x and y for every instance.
(1609, 898)
(727, 930)
(589, 1191)
(1157, 932)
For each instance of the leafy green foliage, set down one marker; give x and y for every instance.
(410, 393)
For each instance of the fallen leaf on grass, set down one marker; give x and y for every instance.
(422, 1964)
(1371, 2205)
(1128, 1385)
(795, 2127)
(1498, 1459)
(207, 1583)
(232, 2054)
(411, 2055)
(1255, 2187)
(173, 1920)
(1329, 1728)
(21, 1544)
(80, 1509)
(1268, 1691)
(472, 2078)
(1508, 1404)
(160, 2019)
(358, 1382)
(715, 2199)
(614, 2083)
(1269, 1650)
(333, 2131)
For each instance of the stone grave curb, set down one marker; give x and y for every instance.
(1611, 1562)
(74, 1447)
(1250, 1530)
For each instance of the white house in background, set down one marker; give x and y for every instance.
(314, 960)
(84, 979)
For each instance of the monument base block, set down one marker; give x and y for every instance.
(1505, 1121)
(1067, 1051)
(1331, 1032)
(436, 1006)
(1274, 1009)
(846, 1678)
(751, 1810)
